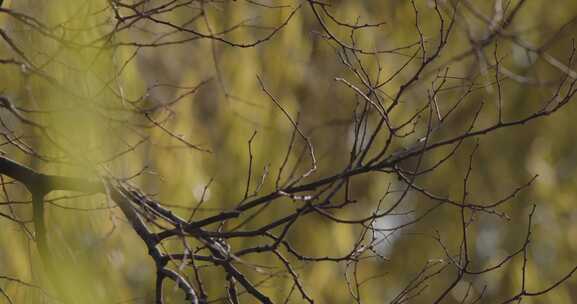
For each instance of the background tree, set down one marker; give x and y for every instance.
(196, 151)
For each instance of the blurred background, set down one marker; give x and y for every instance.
(142, 98)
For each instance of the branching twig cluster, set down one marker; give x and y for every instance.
(407, 124)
